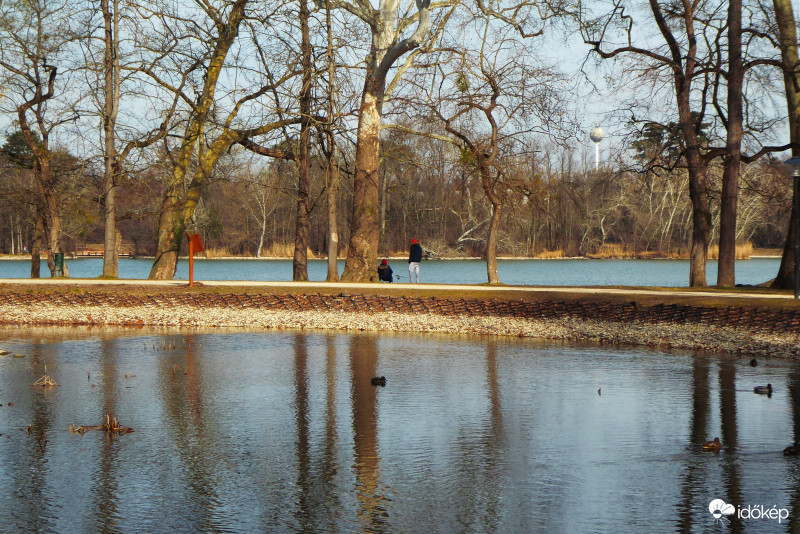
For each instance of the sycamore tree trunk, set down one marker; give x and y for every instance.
(170, 234)
(726, 273)
(787, 38)
(362, 252)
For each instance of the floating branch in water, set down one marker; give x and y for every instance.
(110, 427)
(45, 381)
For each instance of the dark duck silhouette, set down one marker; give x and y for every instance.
(792, 450)
(763, 390)
(715, 445)
(378, 381)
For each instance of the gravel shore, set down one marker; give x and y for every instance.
(665, 335)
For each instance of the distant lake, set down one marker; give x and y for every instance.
(571, 272)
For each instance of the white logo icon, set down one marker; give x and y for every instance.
(719, 508)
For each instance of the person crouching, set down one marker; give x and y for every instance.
(384, 272)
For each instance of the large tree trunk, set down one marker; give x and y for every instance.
(36, 244)
(491, 243)
(110, 67)
(52, 218)
(726, 273)
(698, 193)
(362, 253)
(787, 35)
(180, 201)
(301, 232)
(333, 205)
(170, 234)
(701, 224)
(333, 165)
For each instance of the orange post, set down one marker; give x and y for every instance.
(191, 261)
(195, 245)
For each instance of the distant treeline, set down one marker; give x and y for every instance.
(558, 205)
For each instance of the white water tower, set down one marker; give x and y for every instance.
(596, 136)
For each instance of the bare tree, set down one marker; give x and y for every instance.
(787, 42)
(332, 165)
(486, 97)
(35, 36)
(387, 25)
(206, 135)
(684, 61)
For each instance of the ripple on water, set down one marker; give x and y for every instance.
(279, 432)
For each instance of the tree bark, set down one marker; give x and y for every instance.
(300, 261)
(36, 244)
(333, 205)
(726, 276)
(333, 165)
(787, 38)
(179, 202)
(362, 252)
(491, 243)
(110, 158)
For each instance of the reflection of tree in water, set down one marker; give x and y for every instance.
(105, 491)
(794, 466)
(330, 466)
(731, 470)
(697, 433)
(304, 478)
(480, 478)
(29, 471)
(695, 471)
(195, 448)
(363, 366)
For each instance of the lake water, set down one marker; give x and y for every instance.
(283, 432)
(572, 272)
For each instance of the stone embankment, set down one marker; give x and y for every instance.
(732, 329)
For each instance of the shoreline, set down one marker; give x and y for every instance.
(741, 330)
(695, 337)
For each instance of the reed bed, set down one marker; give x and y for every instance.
(743, 251)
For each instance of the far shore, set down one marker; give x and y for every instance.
(757, 254)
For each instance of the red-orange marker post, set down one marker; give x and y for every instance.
(195, 245)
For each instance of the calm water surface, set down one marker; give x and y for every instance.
(283, 432)
(666, 273)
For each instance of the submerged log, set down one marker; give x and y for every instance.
(110, 427)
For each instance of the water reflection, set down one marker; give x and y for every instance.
(364, 366)
(255, 432)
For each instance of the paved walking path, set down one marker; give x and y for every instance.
(428, 287)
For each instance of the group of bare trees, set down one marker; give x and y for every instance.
(257, 123)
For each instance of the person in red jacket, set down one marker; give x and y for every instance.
(414, 257)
